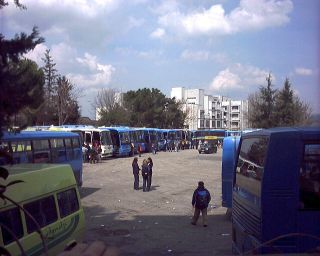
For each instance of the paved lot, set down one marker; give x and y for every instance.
(156, 222)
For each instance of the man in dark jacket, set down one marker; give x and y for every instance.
(200, 201)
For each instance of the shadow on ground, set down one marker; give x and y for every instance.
(158, 235)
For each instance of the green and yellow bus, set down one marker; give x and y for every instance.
(49, 193)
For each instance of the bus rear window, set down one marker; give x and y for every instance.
(251, 157)
(11, 219)
(43, 211)
(68, 202)
(310, 178)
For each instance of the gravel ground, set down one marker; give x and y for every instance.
(156, 222)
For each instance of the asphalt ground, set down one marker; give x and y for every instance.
(156, 222)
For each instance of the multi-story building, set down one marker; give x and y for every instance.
(211, 112)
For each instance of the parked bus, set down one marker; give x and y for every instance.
(276, 196)
(233, 133)
(92, 136)
(120, 137)
(44, 147)
(229, 156)
(50, 195)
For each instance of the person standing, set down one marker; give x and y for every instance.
(135, 171)
(149, 179)
(200, 201)
(145, 174)
(139, 150)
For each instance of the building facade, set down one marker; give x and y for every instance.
(211, 112)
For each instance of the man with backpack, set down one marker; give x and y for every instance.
(200, 201)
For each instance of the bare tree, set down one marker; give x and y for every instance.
(106, 100)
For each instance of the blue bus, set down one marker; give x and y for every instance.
(232, 133)
(120, 137)
(276, 194)
(92, 136)
(229, 156)
(43, 147)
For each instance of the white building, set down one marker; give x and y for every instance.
(211, 112)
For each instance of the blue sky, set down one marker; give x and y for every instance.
(225, 47)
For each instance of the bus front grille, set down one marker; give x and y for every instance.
(250, 222)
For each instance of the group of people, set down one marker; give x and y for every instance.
(146, 172)
(200, 199)
(91, 154)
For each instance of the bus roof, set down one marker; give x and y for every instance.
(24, 135)
(39, 180)
(288, 130)
(119, 129)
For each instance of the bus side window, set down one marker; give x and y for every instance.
(58, 151)
(310, 178)
(69, 149)
(41, 151)
(68, 202)
(12, 220)
(21, 151)
(43, 211)
(76, 148)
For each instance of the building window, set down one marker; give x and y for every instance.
(201, 123)
(235, 107)
(218, 124)
(207, 123)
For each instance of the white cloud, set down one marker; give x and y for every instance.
(303, 71)
(260, 14)
(99, 76)
(238, 79)
(37, 54)
(249, 15)
(192, 55)
(127, 51)
(195, 55)
(135, 22)
(158, 33)
(87, 8)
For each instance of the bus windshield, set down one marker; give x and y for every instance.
(251, 157)
(106, 138)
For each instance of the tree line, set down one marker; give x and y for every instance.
(141, 108)
(277, 108)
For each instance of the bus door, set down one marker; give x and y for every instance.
(309, 191)
(88, 138)
(279, 192)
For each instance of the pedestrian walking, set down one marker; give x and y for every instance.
(135, 171)
(149, 179)
(200, 201)
(145, 170)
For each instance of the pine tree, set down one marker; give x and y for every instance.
(51, 76)
(13, 70)
(284, 112)
(261, 106)
(65, 102)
